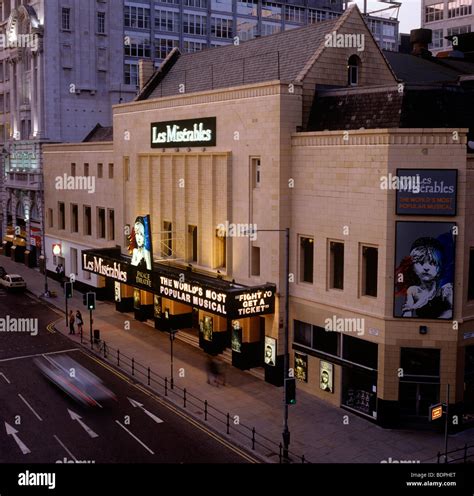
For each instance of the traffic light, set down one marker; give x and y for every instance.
(290, 391)
(68, 289)
(89, 300)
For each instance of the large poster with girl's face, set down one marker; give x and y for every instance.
(140, 246)
(424, 270)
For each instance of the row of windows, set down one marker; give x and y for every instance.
(456, 8)
(66, 20)
(438, 40)
(368, 265)
(87, 171)
(105, 220)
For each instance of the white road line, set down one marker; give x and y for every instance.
(5, 377)
(135, 437)
(76, 417)
(65, 449)
(38, 355)
(30, 407)
(11, 431)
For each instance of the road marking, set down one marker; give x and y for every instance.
(65, 449)
(50, 327)
(30, 407)
(38, 355)
(5, 377)
(135, 437)
(185, 417)
(135, 404)
(75, 416)
(13, 433)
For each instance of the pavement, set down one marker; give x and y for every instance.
(320, 432)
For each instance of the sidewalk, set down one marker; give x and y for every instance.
(318, 430)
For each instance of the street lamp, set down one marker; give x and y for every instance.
(286, 432)
(173, 333)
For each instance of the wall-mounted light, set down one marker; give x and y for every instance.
(56, 250)
(423, 330)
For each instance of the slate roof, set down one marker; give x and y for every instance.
(100, 133)
(280, 56)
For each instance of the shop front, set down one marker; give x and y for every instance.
(222, 314)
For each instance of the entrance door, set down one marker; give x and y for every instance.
(416, 398)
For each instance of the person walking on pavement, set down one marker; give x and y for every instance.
(79, 322)
(71, 322)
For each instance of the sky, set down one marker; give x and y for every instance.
(409, 15)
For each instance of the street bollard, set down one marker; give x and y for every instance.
(205, 410)
(253, 438)
(148, 375)
(228, 423)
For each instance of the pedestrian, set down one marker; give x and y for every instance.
(212, 371)
(79, 322)
(71, 322)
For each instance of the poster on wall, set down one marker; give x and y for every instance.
(136, 299)
(236, 340)
(424, 270)
(326, 376)
(270, 351)
(301, 367)
(207, 329)
(140, 245)
(117, 292)
(157, 306)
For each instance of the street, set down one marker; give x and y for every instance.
(39, 423)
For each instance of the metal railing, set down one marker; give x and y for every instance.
(224, 422)
(464, 452)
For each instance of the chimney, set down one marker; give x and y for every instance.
(419, 41)
(146, 69)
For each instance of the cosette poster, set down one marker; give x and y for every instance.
(424, 270)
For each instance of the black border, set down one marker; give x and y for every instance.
(436, 214)
(420, 319)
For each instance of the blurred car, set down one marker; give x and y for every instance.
(3, 272)
(75, 380)
(13, 281)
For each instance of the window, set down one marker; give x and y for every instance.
(111, 171)
(194, 24)
(221, 5)
(87, 221)
(369, 270)
(246, 29)
(459, 8)
(221, 249)
(138, 48)
(302, 333)
(353, 66)
(271, 10)
(100, 171)
(360, 351)
(101, 22)
(101, 223)
(50, 218)
(316, 16)
(74, 218)
(200, 4)
(167, 20)
(247, 7)
(61, 216)
(111, 225)
(256, 171)
(73, 170)
(131, 74)
(1, 71)
(336, 265)
(255, 268)
(420, 362)
(221, 27)
(325, 341)
(270, 28)
(434, 12)
(126, 169)
(294, 14)
(438, 40)
(66, 19)
(306, 259)
(192, 244)
(193, 46)
(86, 170)
(459, 30)
(163, 47)
(388, 30)
(470, 290)
(137, 17)
(74, 264)
(167, 243)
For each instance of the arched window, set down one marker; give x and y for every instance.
(353, 70)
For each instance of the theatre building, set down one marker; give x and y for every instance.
(225, 149)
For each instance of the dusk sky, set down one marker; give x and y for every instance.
(409, 16)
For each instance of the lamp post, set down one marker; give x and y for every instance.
(43, 232)
(286, 361)
(172, 338)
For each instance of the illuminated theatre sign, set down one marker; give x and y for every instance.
(194, 290)
(189, 132)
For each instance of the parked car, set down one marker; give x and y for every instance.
(13, 281)
(3, 272)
